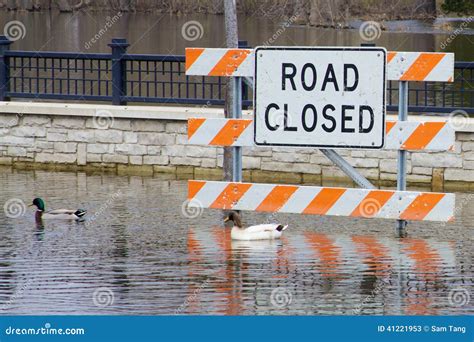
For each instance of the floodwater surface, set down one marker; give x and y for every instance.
(139, 253)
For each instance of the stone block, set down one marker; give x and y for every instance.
(36, 120)
(115, 158)
(108, 136)
(208, 162)
(16, 151)
(459, 175)
(69, 122)
(81, 154)
(436, 160)
(59, 158)
(99, 148)
(80, 135)
(251, 162)
(185, 161)
(52, 136)
(135, 160)
(160, 139)
(291, 157)
(131, 149)
(29, 131)
(65, 147)
(148, 126)
(156, 160)
(201, 151)
(130, 137)
(177, 127)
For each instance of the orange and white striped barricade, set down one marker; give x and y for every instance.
(400, 135)
(401, 66)
(333, 201)
(408, 135)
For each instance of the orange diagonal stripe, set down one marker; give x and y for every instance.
(372, 203)
(323, 201)
(191, 55)
(422, 135)
(193, 125)
(230, 195)
(193, 187)
(421, 206)
(389, 125)
(277, 198)
(230, 132)
(229, 62)
(422, 66)
(390, 56)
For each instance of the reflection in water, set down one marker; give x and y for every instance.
(156, 261)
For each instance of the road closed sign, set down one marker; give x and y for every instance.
(320, 97)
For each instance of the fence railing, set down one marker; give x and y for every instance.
(123, 78)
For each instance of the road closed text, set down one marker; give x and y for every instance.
(320, 97)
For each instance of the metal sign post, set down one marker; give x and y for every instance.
(402, 154)
(237, 114)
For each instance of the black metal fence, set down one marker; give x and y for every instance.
(123, 78)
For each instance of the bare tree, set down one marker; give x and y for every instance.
(232, 41)
(64, 5)
(12, 5)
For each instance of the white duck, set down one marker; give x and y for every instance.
(258, 232)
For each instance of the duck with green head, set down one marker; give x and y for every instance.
(57, 214)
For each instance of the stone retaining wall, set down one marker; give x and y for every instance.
(160, 145)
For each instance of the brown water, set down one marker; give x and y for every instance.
(137, 253)
(162, 33)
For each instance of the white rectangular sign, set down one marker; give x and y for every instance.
(320, 97)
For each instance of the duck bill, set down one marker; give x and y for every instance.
(226, 219)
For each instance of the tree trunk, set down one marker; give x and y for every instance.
(64, 6)
(232, 41)
(12, 5)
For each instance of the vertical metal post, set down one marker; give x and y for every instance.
(237, 114)
(119, 80)
(402, 154)
(4, 72)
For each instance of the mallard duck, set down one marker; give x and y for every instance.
(258, 232)
(57, 214)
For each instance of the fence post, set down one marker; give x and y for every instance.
(119, 80)
(4, 72)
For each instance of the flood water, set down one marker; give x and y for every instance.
(137, 253)
(163, 33)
